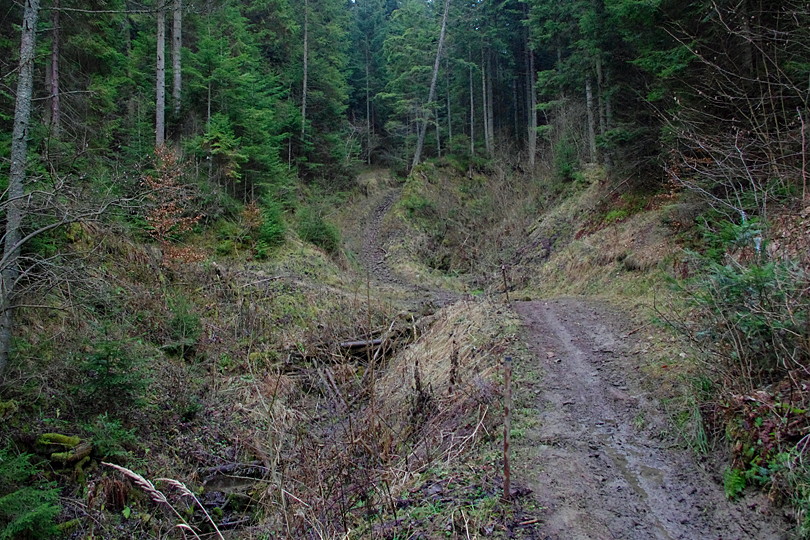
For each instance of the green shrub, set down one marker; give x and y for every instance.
(615, 215)
(733, 482)
(184, 326)
(273, 228)
(28, 505)
(314, 229)
(110, 437)
(753, 312)
(116, 375)
(565, 160)
(418, 206)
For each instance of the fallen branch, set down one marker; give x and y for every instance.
(361, 343)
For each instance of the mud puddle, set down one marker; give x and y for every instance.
(591, 466)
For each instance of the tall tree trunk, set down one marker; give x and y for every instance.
(126, 26)
(15, 203)
(490, 109)
(591, 118)
(368, 105)
(472, 111)
(531, 105)
(306, 70)
(604, 106)
(417, 156)
(485, 105)
(515, 111)
(160, 78)
(177, 44)
(438, 136)
(55, 107)
(449, 115)
(600, 96)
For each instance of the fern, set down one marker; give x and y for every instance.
(28, 507)
(734, 482)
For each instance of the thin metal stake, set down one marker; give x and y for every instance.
(507, 427)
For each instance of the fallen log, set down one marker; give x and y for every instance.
(361, 343)
(75, 454)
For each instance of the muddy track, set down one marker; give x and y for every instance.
(374, 253)
(593, 462)
(589, 461)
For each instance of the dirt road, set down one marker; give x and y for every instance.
(589, 461)
(592, 461)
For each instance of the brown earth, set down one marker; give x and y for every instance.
(595, 459)
(590, 461)
(373, 256)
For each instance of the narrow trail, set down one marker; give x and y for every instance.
(589, 461)
(373, 256)
(373, 253)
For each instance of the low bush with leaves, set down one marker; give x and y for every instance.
(272, 228)
(314, 229)
(753, 310)
(184, 326)
(116, 375)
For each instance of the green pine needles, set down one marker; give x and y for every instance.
(28, 506)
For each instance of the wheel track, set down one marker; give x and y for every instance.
(599, 475)
(374, 254)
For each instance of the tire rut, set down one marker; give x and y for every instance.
(373, 253)
(373, 257)
(598, 475)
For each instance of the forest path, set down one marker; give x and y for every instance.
(373, 255)
(593, 460)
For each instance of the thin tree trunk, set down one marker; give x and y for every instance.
(438, 136)
(472, 112)
(591, 118)
(515, 111)
(600, 97)
(15, 208)
(490, 108)
(486, 104)
(531, 105)
(132, 108)
(417, 156)
(449, 116)
(55, 108)
(306, 70)
(608, 103)
(160, 79)
(484, 115)
(368, 106)
(177, 44)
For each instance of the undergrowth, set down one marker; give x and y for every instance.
(749, 319)
(29, 505)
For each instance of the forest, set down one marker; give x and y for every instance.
(262, 260)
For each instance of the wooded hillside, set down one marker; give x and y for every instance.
(175, 176)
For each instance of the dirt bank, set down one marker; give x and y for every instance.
(590, 462)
